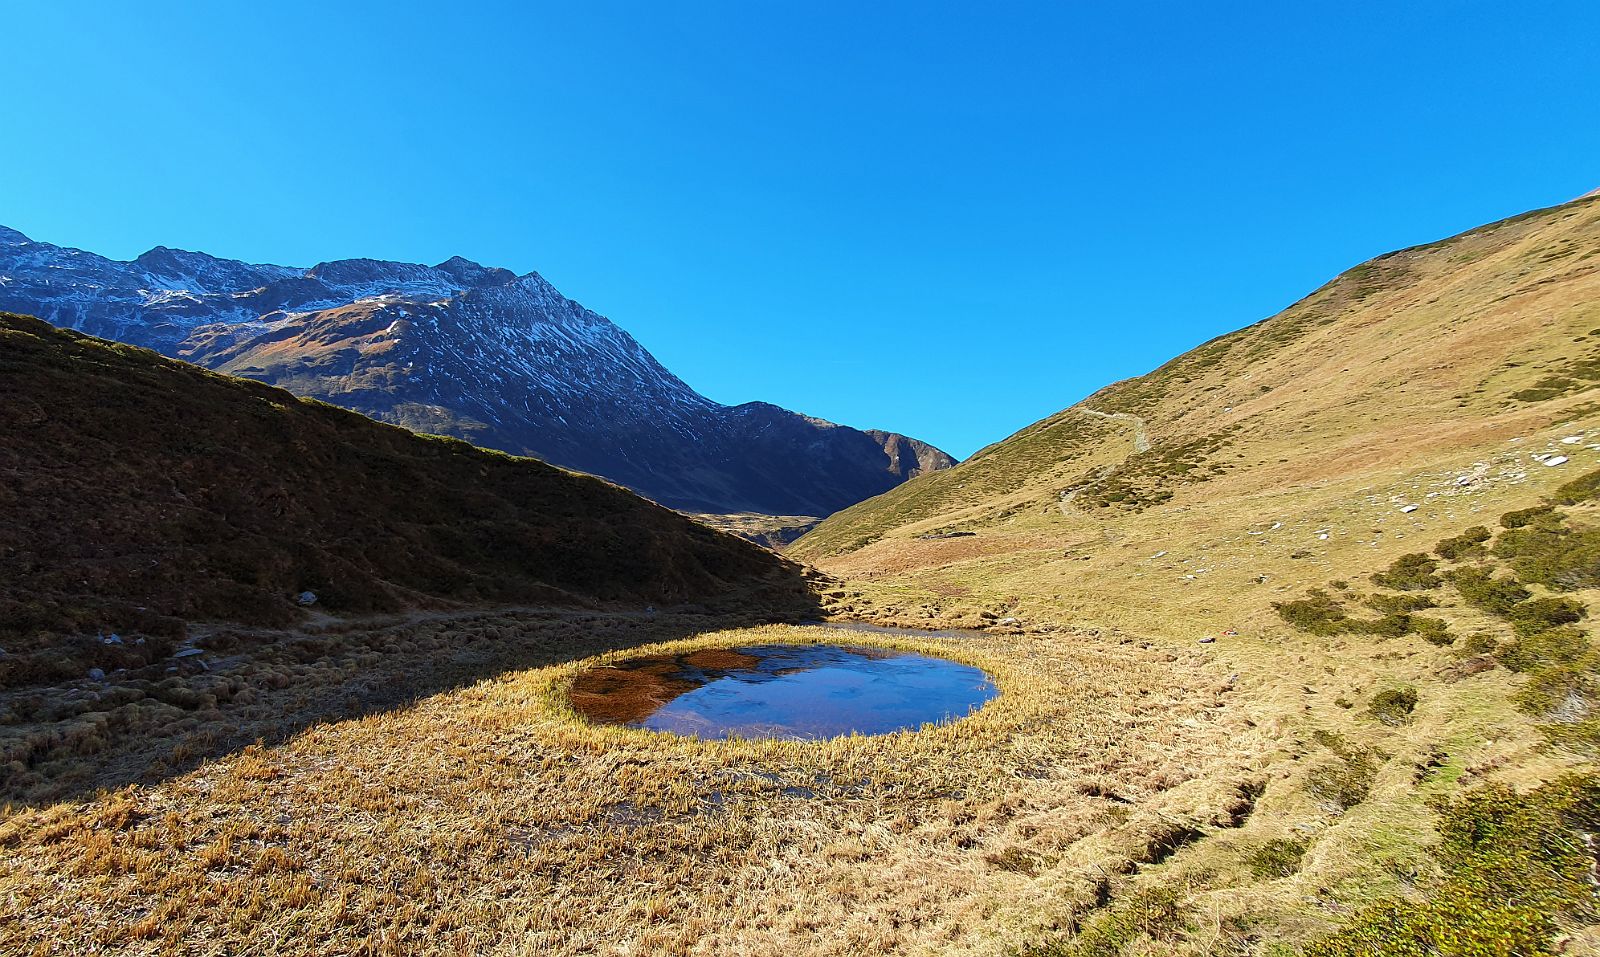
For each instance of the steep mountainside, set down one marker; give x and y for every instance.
(1408, 358)
(140, 493)
(459, 349)
(1374, 520)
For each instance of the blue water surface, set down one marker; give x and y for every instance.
(809, 692)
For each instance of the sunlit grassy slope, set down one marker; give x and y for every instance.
(1419, 395)
(1403, 361)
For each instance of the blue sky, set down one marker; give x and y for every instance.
(944, 219)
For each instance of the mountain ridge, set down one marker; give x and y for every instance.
(145, 493)
(468, 350)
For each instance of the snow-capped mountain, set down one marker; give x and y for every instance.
(501, 360)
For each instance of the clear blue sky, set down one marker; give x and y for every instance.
(943, 219)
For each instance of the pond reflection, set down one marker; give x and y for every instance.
(781, 691)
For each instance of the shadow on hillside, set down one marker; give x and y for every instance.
(68, 742)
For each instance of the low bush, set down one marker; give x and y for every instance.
(1542, 614)
(1277, 858)
(1480, 589)
(1584, 488)
(1413, 572)
(1432, 630)
(1553, 554)
(1564, 694)
(1469, 544)
(1393, 706)
(1552, 647)
(1515, 866)
(1318, 613)
(1395, 604)
(1523, 517)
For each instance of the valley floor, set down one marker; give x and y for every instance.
(1170, 768)
(490, 819)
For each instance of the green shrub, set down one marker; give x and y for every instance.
(1345, 781)
(1480, 589)
(1413, 572)
(1432, 630)
(1321, 614)
(1514, 867)
(1395, 604)
(1469, 544)
(1552, 647)
(1563, 694)
(1542, 614)
(1389, 626)
(1393, 706)
(1584, 488)
(1527, 516)
(1318, 613)
(1553, 555)
(1278, 857)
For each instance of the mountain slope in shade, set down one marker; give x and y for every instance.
(470, 351)
(142, 492)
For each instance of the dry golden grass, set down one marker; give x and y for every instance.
(493, 820)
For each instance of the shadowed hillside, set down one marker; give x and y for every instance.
(141, 493)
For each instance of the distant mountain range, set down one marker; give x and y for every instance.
(501, 360)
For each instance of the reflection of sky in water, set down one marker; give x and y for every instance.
(821, 691)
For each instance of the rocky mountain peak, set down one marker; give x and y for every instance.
(462, 349)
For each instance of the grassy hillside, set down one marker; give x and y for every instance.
(142, 494)
(1332, 506)
(1400, 360)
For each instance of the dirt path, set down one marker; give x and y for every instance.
(1141, 437)
(1141, 443)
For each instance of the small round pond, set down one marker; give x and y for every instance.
(801, 692)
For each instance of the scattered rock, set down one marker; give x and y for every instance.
(1572, 440)
(1556, 460)
(1006, 621)
(111, 639)
(95, 674)
(1207, 640)
(1409, 508)
(188, 652)
(306, 599)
